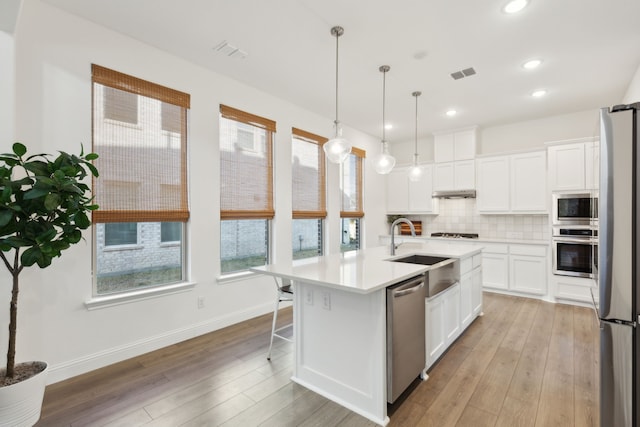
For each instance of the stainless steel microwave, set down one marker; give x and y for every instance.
(575, 209)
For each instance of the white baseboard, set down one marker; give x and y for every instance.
(90, 362)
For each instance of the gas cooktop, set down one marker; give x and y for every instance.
(456, 235)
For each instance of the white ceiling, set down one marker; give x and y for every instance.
(590, 48)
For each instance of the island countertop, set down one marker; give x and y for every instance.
(366, 270)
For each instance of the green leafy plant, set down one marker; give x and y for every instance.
(44, 207)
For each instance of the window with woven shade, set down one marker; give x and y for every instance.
(140, 132)
(246, 189)
(352, 210)
(308, 193)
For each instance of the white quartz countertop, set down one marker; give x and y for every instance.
(367, 270)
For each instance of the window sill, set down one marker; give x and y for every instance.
(125, 298)
(235, 277)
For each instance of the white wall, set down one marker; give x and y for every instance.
(54, 52)
(526, 135)
(633, 92)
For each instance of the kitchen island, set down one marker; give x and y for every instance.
(340, 319)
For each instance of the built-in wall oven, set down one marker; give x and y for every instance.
(575, 208)
(575, 251)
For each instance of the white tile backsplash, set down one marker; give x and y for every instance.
(460, 215)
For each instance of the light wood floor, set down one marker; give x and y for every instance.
(525, 363)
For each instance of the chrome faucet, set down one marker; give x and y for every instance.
(393, 227)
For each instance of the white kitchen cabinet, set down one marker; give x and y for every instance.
(574, 166)
(454, 176)
(476, 289)
(456, 145)
(592, 165)
(466, 299)
(495, 265)
(435, 339)
(451, 314)
(528, 182)
(442, 322)
(493, 184)
(515, 267)
(528, 269)
(470, 290)
(405, 196)
(512, 183)
(575, 289)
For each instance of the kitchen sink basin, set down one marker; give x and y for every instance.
(445, 272)
(421, 259)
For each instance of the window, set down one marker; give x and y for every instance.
(246, 192)
(142, 188)
(352, 205)
(120, 105)
(308, 194)
(170, 232)
(120, 233)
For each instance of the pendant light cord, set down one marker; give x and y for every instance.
(415, 154)
(337, 31)
(384, 92)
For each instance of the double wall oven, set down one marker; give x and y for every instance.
(575, 234)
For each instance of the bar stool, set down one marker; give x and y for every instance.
(285, 293)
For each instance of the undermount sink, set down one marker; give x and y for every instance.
(421, 259)
(445, 271)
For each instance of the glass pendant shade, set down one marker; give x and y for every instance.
(337, 149)
(415, 171)
(384, 162)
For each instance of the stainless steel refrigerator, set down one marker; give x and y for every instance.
(618, 262)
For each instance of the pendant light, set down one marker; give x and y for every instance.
(384, 162)
(337, 149)
(415, 171)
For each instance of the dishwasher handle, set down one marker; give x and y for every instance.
(407, 291)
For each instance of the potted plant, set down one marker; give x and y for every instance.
(44, 206)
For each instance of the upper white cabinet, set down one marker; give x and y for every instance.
(512, 184)
(528, 182)
(405, 196)
(453, 146)
(574, 166)
(454, 154)
(454, 176)
(493, 184)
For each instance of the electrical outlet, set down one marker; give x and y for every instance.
(309, 297)
(326, 300)
(200, 302)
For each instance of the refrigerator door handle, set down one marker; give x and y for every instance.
(605, 249)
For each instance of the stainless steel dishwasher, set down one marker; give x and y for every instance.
(406, 353)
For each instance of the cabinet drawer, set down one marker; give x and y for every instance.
(496, 248)
(477, 260)
(466, 265)
(531, 250)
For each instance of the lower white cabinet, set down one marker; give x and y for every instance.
(442, 322)
(578, 289)
(495, 260)
(516, 267)
(450, 312)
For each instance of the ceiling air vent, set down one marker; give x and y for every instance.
(463, 73)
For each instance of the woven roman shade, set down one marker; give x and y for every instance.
(308, 175)
(352, 175)
(246, 165)
(140, 133)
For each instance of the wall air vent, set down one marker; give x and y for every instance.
(463, 73)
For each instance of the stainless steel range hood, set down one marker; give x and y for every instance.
(455, 194)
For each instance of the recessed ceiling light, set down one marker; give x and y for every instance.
(388, 126)
(451, 113)
(515, 6)
(539, 93)
(532, 63)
